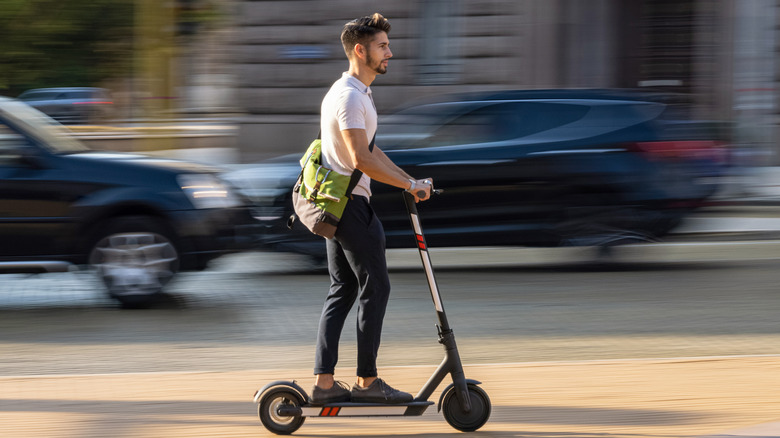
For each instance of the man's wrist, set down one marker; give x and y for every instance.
(412, 184)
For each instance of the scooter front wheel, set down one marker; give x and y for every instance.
(467, 421)
(268, 410)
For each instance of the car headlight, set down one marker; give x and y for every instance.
(207, 191)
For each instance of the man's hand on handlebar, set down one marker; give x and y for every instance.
(421, 189)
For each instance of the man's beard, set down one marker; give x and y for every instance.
(379, 68)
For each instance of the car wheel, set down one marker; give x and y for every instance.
(135, 257)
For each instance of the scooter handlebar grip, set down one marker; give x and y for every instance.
(421, 193)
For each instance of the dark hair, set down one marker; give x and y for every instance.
(361, 30)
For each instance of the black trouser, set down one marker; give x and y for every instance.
(358, 270)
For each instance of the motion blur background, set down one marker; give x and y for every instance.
(267, 64)
(237, 81)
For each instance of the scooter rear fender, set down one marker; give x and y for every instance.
(290, 385)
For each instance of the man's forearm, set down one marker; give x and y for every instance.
(382, 156)
(380, 168)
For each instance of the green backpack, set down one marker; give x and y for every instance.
(320, 194)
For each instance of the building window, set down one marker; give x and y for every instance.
(438, 63)
(667, 44)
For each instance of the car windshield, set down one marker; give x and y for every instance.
(55, 137)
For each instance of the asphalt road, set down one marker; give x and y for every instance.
(660, 341)
(259, 311)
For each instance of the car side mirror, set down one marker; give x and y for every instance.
(28, 156)
(15, 153)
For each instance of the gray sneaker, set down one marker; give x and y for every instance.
(339, 392)
(379, 392)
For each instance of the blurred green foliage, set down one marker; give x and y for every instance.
(45, 43)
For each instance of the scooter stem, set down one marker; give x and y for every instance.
(422, 248)
(451, 364)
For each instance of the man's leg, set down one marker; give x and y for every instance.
(366, 255)
(341, 296)
(363, 242)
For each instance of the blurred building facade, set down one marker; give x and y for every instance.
(721, 55)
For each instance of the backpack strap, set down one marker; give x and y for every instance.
(357, 174)
(300, 175)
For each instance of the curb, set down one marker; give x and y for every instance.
(470, 257)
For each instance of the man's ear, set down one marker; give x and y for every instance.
(360, 51)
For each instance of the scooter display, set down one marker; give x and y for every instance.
(284, 405)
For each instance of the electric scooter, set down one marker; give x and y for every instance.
(283, 405)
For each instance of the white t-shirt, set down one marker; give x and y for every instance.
(348, 105)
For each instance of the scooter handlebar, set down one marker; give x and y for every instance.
(421, 193)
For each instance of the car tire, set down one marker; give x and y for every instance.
(135, 257)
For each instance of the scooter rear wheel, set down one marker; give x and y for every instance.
(269, 404)
(467, 421)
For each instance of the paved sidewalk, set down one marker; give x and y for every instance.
(661, 398)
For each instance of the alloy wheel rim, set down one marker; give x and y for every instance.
(134, 263)
(274, 406)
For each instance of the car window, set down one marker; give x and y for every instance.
(75, 95)
(38, 95)
(507, 121)
(476, 127)
(10, 144)
(475, 122)
(414, 127)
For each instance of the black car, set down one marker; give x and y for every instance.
(136, 220)
(533, 168)
(71, 104)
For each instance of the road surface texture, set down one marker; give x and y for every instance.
(669, 342)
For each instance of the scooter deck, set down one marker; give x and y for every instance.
(349, 409)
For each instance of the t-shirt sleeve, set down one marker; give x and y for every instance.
(351, 114)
